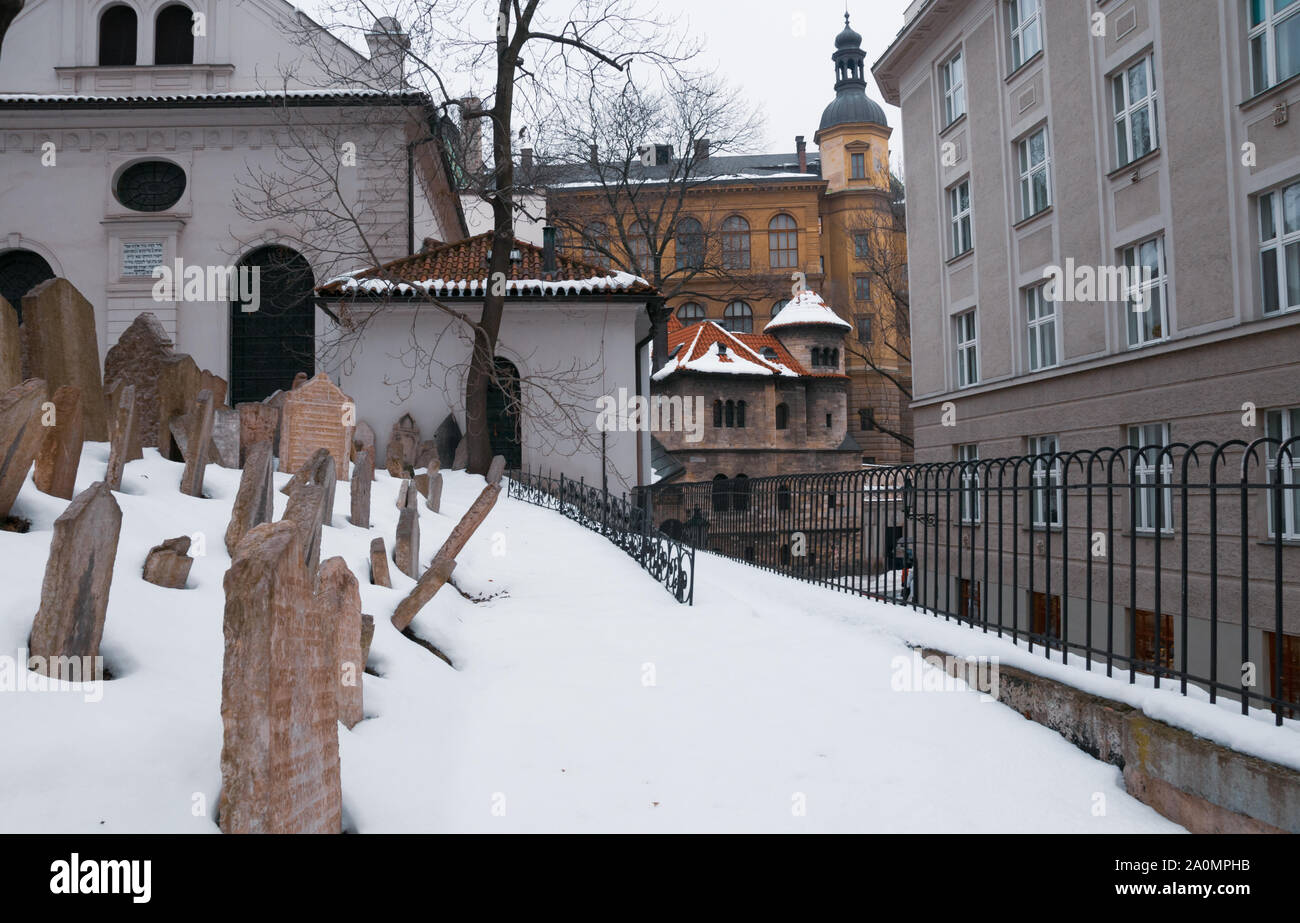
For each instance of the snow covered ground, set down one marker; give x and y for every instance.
(585, 698)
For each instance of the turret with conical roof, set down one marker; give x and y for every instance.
(851, 103)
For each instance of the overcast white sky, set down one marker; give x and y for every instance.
(779, 53)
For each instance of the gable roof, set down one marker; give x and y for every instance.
(460, 270)
(696, 349)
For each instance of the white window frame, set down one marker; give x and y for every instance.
(953, 79)
(969, 482)
(1136, 320)
(1024, 28)
(968, 346)
(1282, 425)
(1142, 436)
(1125, 108)
(960, 218)
(1042, 328)
(1041, 495)
(1261, 43)
(1030, 170)
(1275, 240)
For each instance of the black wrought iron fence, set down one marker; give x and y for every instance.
(665, 558)
(1178, 561)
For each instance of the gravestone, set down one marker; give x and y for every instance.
(225, 436)
(123, 434)
(379, 564)
(60, 452)
(78, 574)
(406, 547)
(136, 358)
(362, 474)
(279, 707)
(112, 397)
(178, 387)
(403, 442)
(306, 510)
(254, 502)
(257, 422)
(21, 435)
(367, 636)
(276, 400)
(210, 381)
(11, 350)
(407, 495)
(299, 380)
(339, 599)
(59, 331)
(426, 455)
(199, 443)
(168, 565)
(433, 495)
(447, 438)
(316, 415)
(319, 469)
(462, 456)
(363, 437)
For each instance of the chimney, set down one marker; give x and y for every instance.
(802, 147)
(593, 156)
(388, 44)
(471, 131)
(526, 162)
(548, 252)
(701, 149)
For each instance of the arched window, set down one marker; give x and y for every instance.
(835, 359)
(690, 313)
(595, 243)
(721, 494)
(117, 28)
(816, 357)
(740, 493)
(731, 414)
(638, 242)
(783, 504)
(20, 272)
(783, 242)
(740, 414)
(782, 416)
(717, 414)
(735, 243)
(690, 244)
(174, 35)
(269, 346)
(776, 308)
(738, 317)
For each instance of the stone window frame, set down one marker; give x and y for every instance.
(962, 236)
(736, 242)
(160, 36)
(736, 311)
(1261, 43)
(100, 35)
(782, 414)
(688, 243)
(1275, 240)
(1130, 258)
(1143, 438)
(967, 348)
(695, 315)
(1124, 108)
(857, 165)
(1040, 493)
(1042, 328)
(1028, 172)
(952, 77)
(1021, 28)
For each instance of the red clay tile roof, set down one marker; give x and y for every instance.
(461, 268)
(693, 349)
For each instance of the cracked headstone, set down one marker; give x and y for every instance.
(210, 381)
(62, 349)
(257, 422)
(123, 435)
(136, 358)
(21, 435)
(317, 415)
(319, 469)
(433, 495)
(254, 502)
(407, 495)
(60, 452)
(379, 575)
(199, 444)
(178, 388)
(362, 474)
(306, 510)
(279, 708)
(339, 599)
(168, 564)
(112, 397)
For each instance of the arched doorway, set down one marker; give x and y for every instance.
(271, 345)
(20, 272)
(503, 406)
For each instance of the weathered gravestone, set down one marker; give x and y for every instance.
(306, 510)
(74, 595)
(403, 443)
(407, 495)
(317, 415)
(447, 438)
(60, 452)
(426, 455)
(136, 358)
(299, 380)
(257, 422)
(123, 434)
(379, 564)
(254, 502)
(11, 352)
(319, 469)
(367, 636)
(406, 547)
(211, 381)
(279, 705)
(225, 436)
(21, 435)
(363, 437)
(199, 443)
(178, 387)
(59, 328)
(113, 397)
(462, 456)
(168, 565)
(433, 493)
(362, 474)
(339, 601)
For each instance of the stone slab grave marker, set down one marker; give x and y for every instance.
(367, 636)
(11, 350)
(257, 422)
(78, 575)
(379, 564)
(319, 469)
(279, 706)
(444, 562)
(299, 380)
(406, 547)
(178, 387)
(254, 502)
(226, 429)
(433, 494)
(363, 472)
(210, 381)
(408, 497)
(60, 452)
(168, 564)
(306, 510)
(462, 456)
(339, 600)
(62, 349)
(317, 415)
(403, 443)
(363, 437)
(199, 443)
(426, 455)
(447, 439)
(123, 435)
(136, 358)
(113, 397)
(21, 435)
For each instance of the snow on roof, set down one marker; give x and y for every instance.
(708, 348)
(233, 96)
(692, 181)
(807, 308)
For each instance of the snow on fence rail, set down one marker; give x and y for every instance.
(1178, 561)
(665, 558)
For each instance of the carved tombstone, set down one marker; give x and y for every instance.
(178, 387)
(433, 495)
(403, 443)
(199, 445)
(257, 422)
(447, 439)
(279, 707)
(74, 595)
(306, 510)
(210, 381)
(462, 456)
(379, 564)
(62, 348)
(319, 469)
(317, 415)
(113, 397)
(254, 502)
(225, 436)
(426, 455)
(363, 437)
(362, 474)
(168, 564)
(123, 434)
(367, 636)
(136, 358)
(11, 351)
(21, 435)
(406, 548)
(60, 453)
(339, 600)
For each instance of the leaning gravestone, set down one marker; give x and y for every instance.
(168, 565)
(11, 351)
(406, 548)
(198, 445)
(178, 387)
(339, 598)
(379, 564)
(254, 502)
(367, 636)
(279, 705)
(136, 358)
(362, 474)
(225, 436)
(21, 435)
(319, 469)
(60, 454)
(403, 443)
(74, 596)
(306, 510)
(433, 495)
(257, 422)
(461, 460)
(210, 381)
(317, 415)
(59, 330)
(123, 434)
(113, 397)
(447, 439)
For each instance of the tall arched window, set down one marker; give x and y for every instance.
(731, 414)
(117, 28)
(740, 493)
(717, 414)
(738, 317)
(816, 357)
(783, 242)
(690, 313)
(20, 272)
(721, 493)
(740, 414)
(735, 243)
(782, 416)
(690, 244)
(776, 308)
(595, 243)
(174, 35)
(638, 242)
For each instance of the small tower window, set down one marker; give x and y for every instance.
(117, 28)
(782, 416)
(859, 162)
